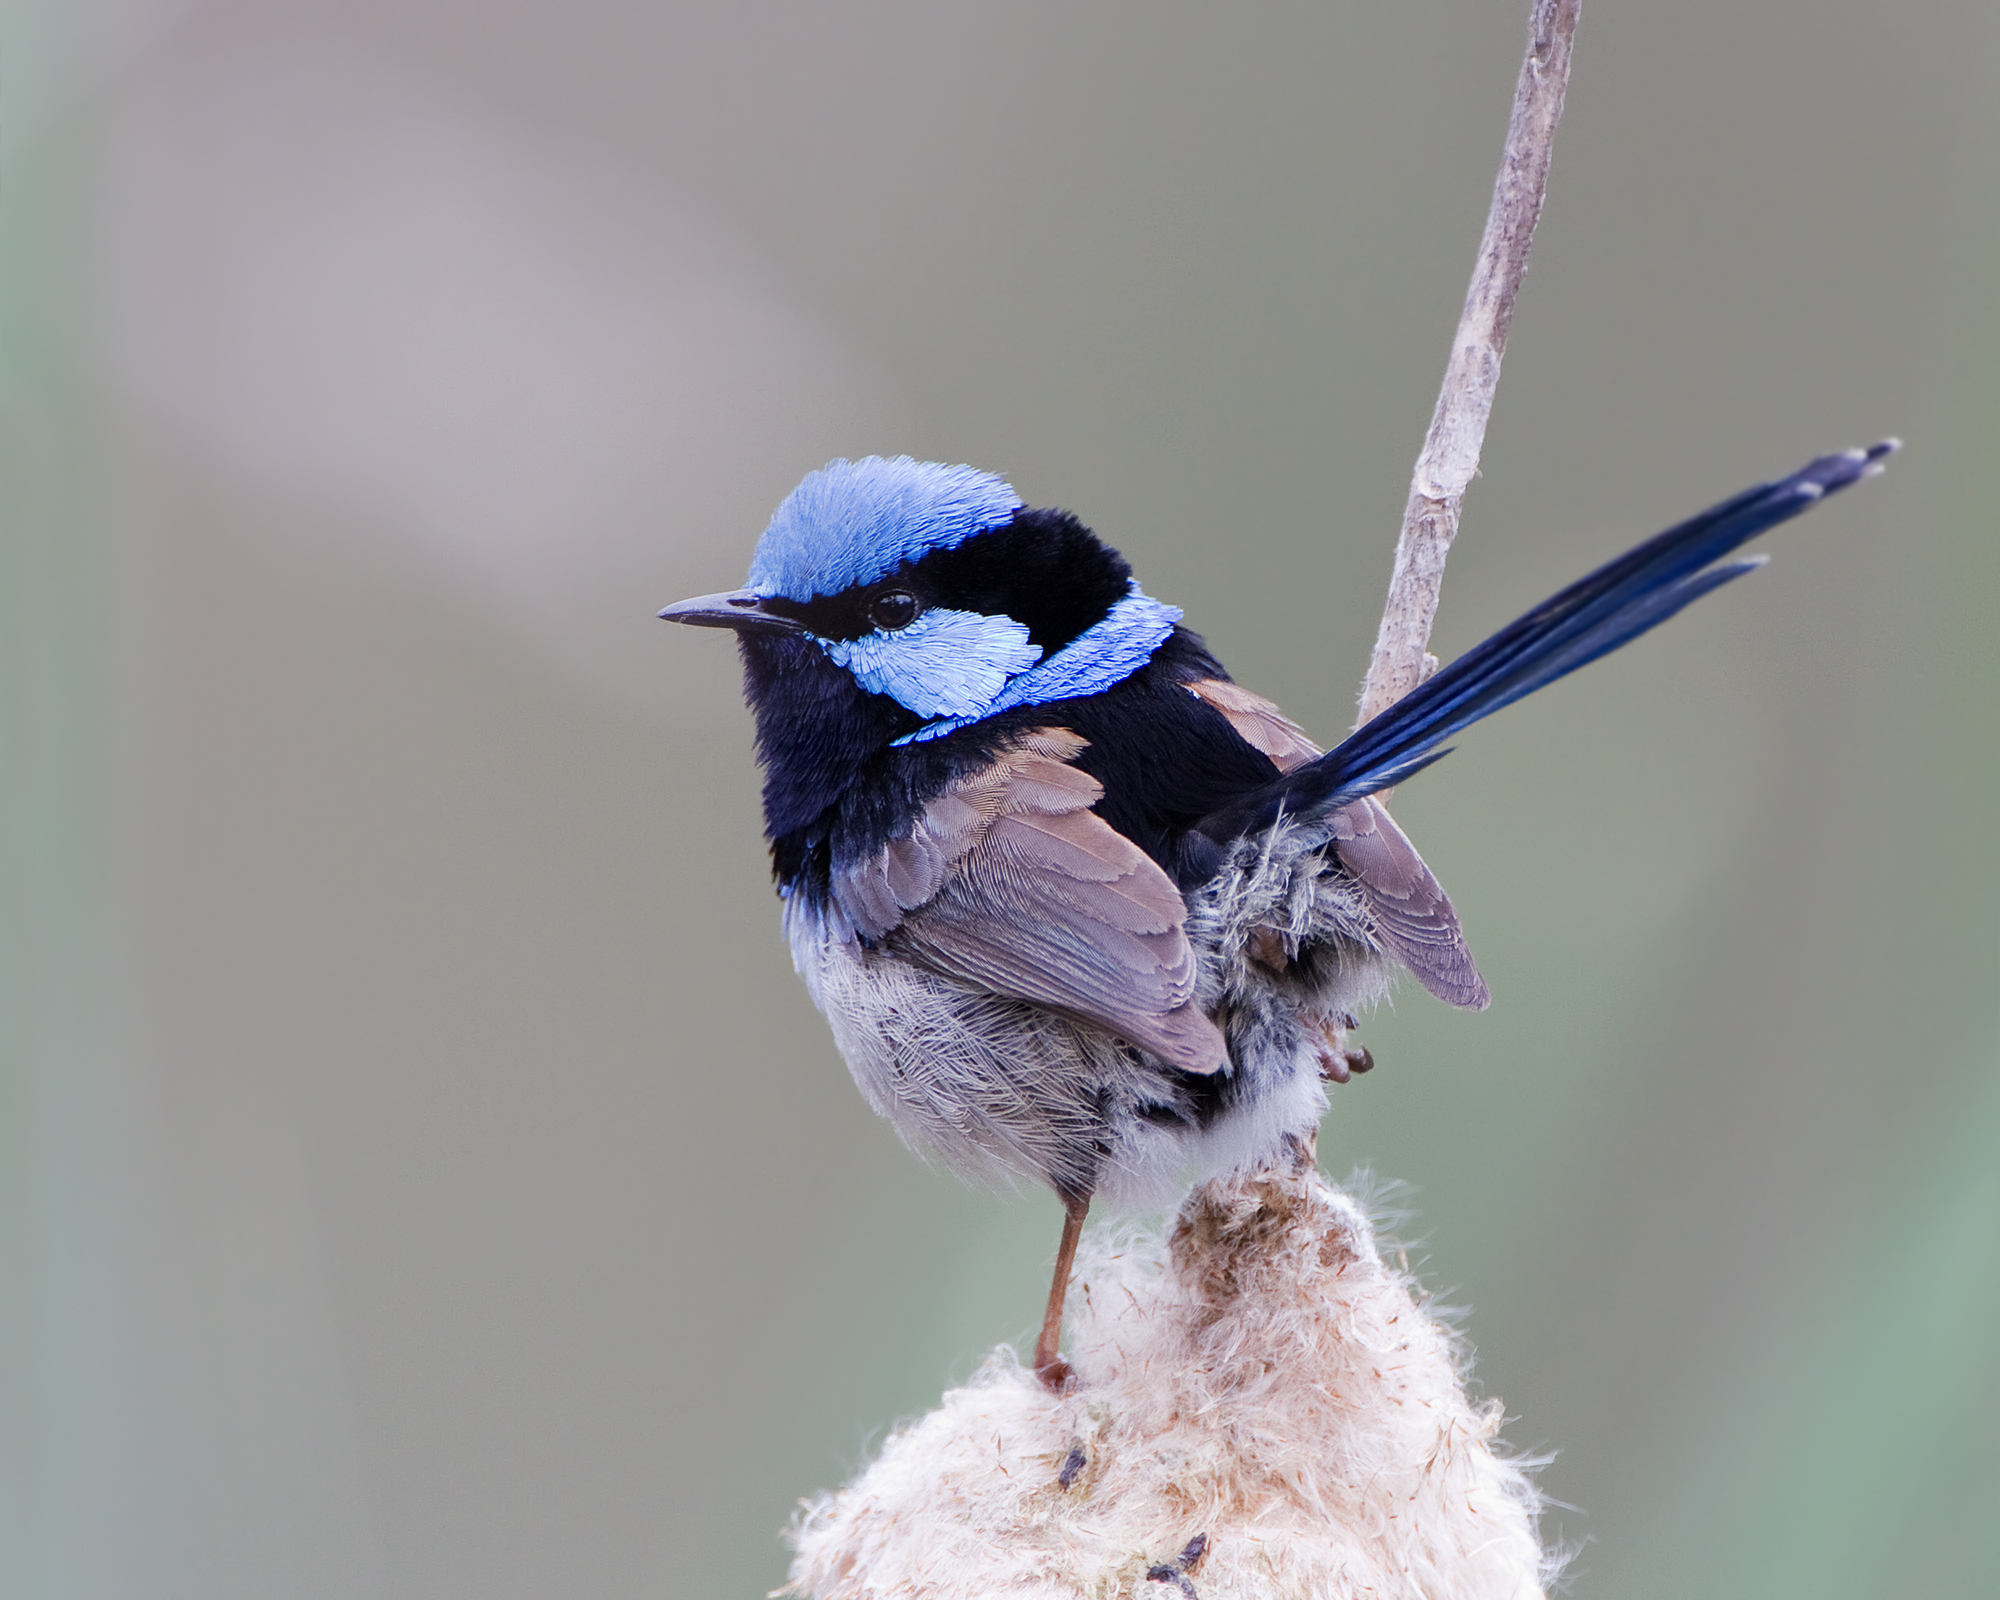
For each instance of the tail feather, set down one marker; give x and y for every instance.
(1591, 618)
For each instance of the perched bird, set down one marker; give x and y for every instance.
(1078, 907)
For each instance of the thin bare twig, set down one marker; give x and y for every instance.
(1450, 455)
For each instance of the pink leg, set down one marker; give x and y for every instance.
(1049, 1366)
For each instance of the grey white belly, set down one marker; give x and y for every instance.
(998, 1089)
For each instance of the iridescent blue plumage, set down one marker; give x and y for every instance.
(854, 522)
(950, 664)
(1077, 906)
(1102, 656)
(1591, 618)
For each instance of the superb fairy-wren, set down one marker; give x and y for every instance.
(1077, 906)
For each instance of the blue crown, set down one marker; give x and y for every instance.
(855, 521)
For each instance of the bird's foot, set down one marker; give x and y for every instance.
(1338, 1060)
(1057, 1375)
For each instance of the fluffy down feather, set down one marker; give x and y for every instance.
(1411, 915)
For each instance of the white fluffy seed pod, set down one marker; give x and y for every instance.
(1267, 1411)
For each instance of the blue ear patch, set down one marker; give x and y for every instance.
(945, 664)
(852, 522)
(1104, 654)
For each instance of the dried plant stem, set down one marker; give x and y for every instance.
(1450, 455)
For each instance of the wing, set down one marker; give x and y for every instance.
(1258, 722)
(1008, 880)
(1413, 914)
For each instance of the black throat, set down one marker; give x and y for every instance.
(816, 728)
(836, 786)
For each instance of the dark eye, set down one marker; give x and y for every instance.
(893, 609)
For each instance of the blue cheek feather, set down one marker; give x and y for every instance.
(1104, 654)
(945, 664)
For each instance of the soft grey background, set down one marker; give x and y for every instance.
(422, 1174)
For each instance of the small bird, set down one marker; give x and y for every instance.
(1078, 907)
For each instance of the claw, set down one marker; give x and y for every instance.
(1339, 1061)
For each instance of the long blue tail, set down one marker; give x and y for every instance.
(1591, 618)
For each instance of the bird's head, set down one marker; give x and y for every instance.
(891, 601)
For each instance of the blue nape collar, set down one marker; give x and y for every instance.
(1106, 653)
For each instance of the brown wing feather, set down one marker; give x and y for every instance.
(1412, 913)
(1009, 880)
(1258, 722)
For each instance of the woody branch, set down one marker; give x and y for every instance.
(1450, 456)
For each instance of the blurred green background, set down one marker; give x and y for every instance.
(420, 1173)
